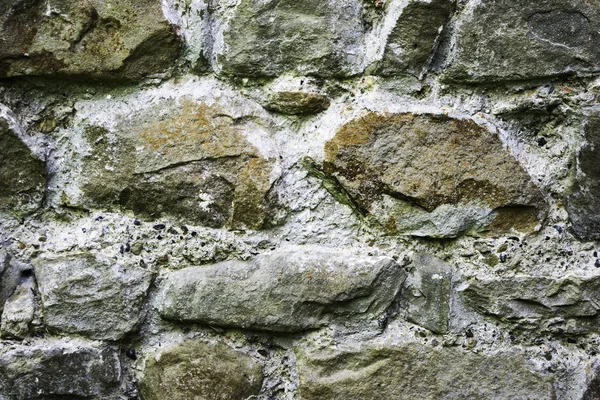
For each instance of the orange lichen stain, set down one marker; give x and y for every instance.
(196, 128)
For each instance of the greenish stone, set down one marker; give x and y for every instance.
(121, 39)
(583, 204)
(199, 369)
(291, 289)
(412, 42)
(425, 298)
(297, 103)
(536, 303)
(432, 175)
(67, 369)
(385, 370)
(504, 40)
(191, 161)
(83, 294)
(269, 38)
(22, 174)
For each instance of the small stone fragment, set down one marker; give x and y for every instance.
(19, 311)
(297, 103)
(199, 369)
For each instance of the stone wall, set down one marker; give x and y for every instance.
(299, 199)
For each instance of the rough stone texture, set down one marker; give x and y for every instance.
(584, 202)
(413, 40)
(292, 289)
(198, 369)
(297, 103)
(184, 159)
(431, 175)
(61, 370)
(122, 39)
(501, 40)
(19, 311)
(310, 38)
(409, 371)
(565, 305)
(22, 174)
(83, 294)
(425, 298)
(12, 272)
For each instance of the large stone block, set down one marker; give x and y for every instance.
(268, 38)
(124, 39)
(501, 40)
(291, 289)
(583, 203)
(565, 305)
(83, 294)
(22, 173)
(384, 370)
(431, 175)
(70, 369)
(198, 162)
(199, 369)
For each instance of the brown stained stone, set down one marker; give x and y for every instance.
(198, 369)
(123, 39)
(194, 163)
(427, 163)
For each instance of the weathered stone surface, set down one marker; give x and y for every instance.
(11, 272)
(431, 175)
(125, 39)
(583, 204)
(188, 160)
(291, 289)
(592, 389)
(83, 294)
(198, 369)
(66, 370)
(498, 40)
(22, 174)
(567, 305)
(411, 371)
(297, 103)
(425, 298)
(412, 41)
(19, 310)
(268, 38)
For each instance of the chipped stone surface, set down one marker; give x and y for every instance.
(290, 290)
(199, 369)
(19, 310)
(431, 175)
(122, 39)
(376, 370)
(22, 173)
(86, 295)
(60, 369)
(502, 40)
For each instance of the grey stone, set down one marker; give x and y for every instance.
(291, 289)
(66, 370)
(269, 38)
(431, 175)
(502, 40)
(565, 305)
(297, 103)
(380, 370)
(123, 39)
(191, 161)
(22, 174)
(412, 42)
(583, 203)
(83, 294)
(425, 298)
(11, 272)
(19, 311)
(199, 369)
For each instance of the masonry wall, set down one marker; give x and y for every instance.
(299, 199)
